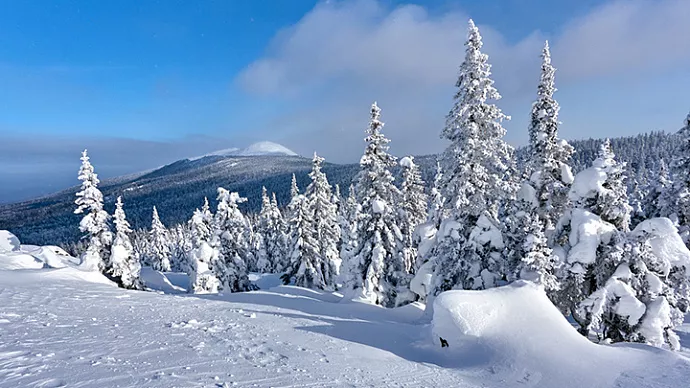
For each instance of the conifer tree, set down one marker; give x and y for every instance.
(679, 197)
(231, 238)
(551, 175)
(264, 260)
(349, 224)
(202, 278)
(658, 200)
(413, 209)
(305, 269)
(376, 271)
(326, 229)
(436, 200)
(159, 250)
(125, 267)
(95, 221)
(476, 180)
(281, 238)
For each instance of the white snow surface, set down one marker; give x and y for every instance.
(69, 327)
(526, 340)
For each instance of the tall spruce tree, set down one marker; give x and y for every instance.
(376, 271)
(326, 229)
(413, 209)
(202, 278)
(95, 221)
(476, 180)
(551, 175)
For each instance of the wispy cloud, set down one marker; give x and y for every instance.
(343, 55)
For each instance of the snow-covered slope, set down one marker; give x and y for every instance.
(66, 327)
(266, 148)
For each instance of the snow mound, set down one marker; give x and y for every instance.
(8, 242)
(516, 331)
(10, 261)
(266, 148)
(14, 255)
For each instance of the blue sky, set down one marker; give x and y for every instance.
(144, 83)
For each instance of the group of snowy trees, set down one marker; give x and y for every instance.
(618, 265)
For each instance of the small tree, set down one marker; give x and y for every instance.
(202, 278)
(232, 241)
(306, 269)
(159, 250)
(125, 267)
(95, 222)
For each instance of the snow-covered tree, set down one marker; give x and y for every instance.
(326, 229)
(305, 268)
(602, 189)
(376, 272)
(533, 259)
(658, 201)
(180, 246)
(476, 180)
(412, 211)
(550, 174)
(679, 197)
(646, 293)
(95, 222)
(159, 248)
(348, 218)
(231, 238)
(125, 267)
(270, 229)
(436, 200)
(202, 278)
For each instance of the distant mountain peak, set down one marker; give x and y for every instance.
(266, 148)
(261, 148)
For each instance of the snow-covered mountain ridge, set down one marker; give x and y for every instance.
(262, 148)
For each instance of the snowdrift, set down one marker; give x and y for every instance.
(516, 332)
(14, 255)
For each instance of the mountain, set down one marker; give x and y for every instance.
(178, 188)
(262, 148)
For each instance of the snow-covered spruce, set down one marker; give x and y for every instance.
(412, 210)
(270, 228)
(348, 218)
(159, 245)
(647, 295)
(202, 278)
(659, 200)
(437, 211)
(231, 239)
(678, 208)
(601, 189)
(476, 180)
(376, 271)
(325, 215)
(550, 174)
(305, 268)
(95, 221)
(124, 266)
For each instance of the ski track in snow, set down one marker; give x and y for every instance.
(57, 332)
